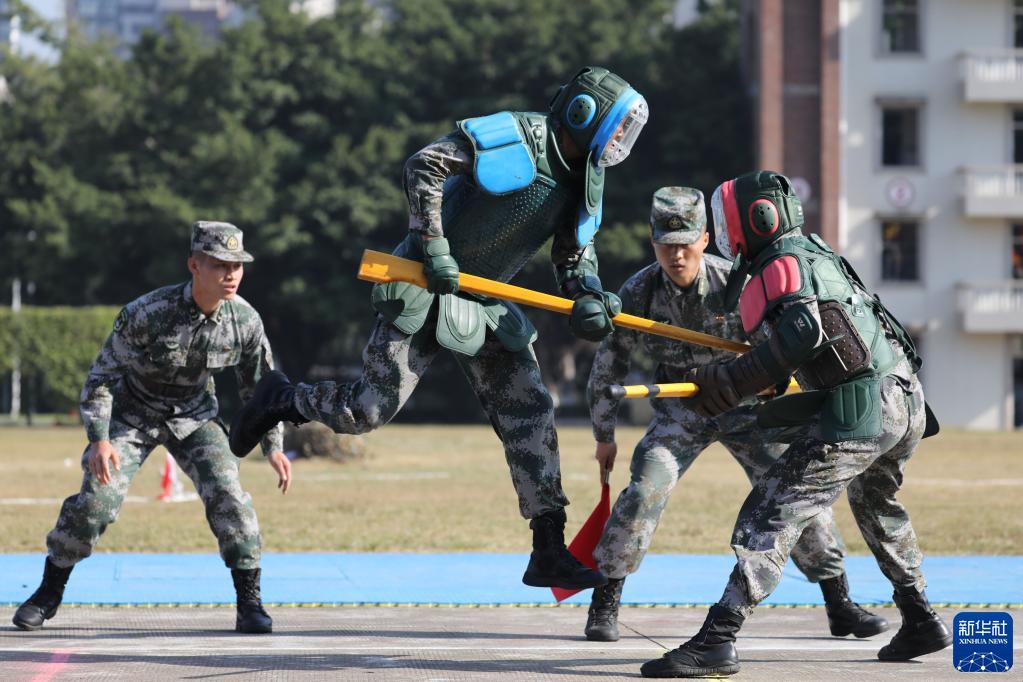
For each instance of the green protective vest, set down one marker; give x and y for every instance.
(491, 236)
(847, 394)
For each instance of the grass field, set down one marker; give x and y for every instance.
(446, 488)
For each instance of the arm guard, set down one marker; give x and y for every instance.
(796, 336)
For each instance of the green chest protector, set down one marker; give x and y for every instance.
(842, 379)
(520, 194)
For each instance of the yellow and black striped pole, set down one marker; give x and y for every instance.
(383, 267)
(684, 389)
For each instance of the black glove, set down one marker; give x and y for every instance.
(591, 315)
(717, 393)
(439, 266)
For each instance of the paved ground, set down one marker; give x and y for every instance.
(374, 643)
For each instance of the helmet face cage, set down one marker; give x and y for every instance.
(722, 237)
(601, 113)
(625, 133)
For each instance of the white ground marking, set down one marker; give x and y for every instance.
(396, 476)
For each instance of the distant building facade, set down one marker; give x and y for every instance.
(9, 27)
(125, 20)
(901, 122)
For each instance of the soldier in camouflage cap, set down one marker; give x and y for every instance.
(152, 384)
(223, 241)
(684, 287)
(678, 216)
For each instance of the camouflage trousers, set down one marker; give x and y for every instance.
(806, 481)
(507, 384)
(204, 456)
(674, 439)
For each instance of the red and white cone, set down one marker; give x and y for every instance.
(170, 486)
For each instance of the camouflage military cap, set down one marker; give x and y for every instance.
(678, 215)
(223, 241)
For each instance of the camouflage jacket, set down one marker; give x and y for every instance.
(427, 170)
(650, 293)
(156, 367)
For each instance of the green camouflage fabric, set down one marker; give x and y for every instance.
(507, 384)
(204, 455)
(152, 385)
(650, 293)
(677, 215)
(223, 241)
(157, 365)
(424, 176)
(807, 479)
(676, 434)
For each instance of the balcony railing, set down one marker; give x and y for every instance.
(993, 191)
(992, 307)
(993, 75)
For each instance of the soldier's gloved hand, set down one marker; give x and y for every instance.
(439, 266)
(591, 315)
(717, 390)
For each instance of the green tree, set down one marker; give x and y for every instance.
(297, 130)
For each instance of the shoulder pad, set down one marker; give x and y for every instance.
(587, 225)
(503, 162)
(821, 244)
(778, 278)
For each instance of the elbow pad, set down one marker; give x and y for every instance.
(793, 342)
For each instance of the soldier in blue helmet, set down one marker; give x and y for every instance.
(483, 199)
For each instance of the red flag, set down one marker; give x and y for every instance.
(587, 538)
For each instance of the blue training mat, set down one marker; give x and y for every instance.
(669, 579)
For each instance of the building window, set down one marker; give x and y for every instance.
(1017, 23)
(1017, 136)
(900, 134)
(1017, 392)
(900, 26)
(1017, 251)
(900, 250)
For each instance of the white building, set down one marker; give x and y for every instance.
(10, 32)
(904, 119)
(125, 20)
(931, 208)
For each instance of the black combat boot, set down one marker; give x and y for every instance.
(551, 564)
(711, 653)
(922, 632)
(251, 616)
(846, 616)
(43, 603)
(272, 402)
(602, 619)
